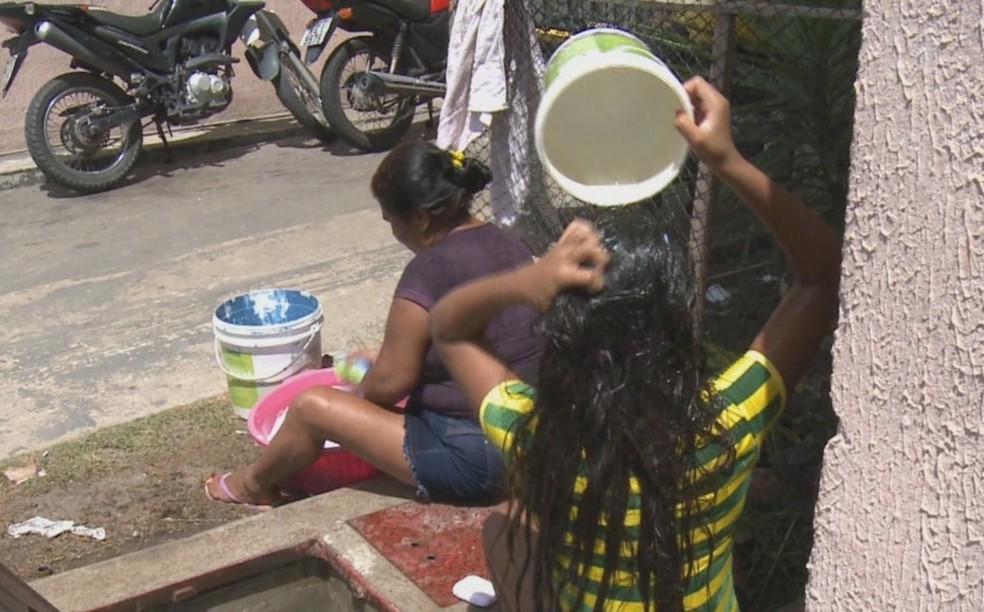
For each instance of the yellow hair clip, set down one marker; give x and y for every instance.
(457, 158)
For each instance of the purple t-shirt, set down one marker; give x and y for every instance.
(462, 256)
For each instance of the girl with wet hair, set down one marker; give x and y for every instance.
(628, 463)
(436, 444)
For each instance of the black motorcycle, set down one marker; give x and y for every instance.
(85, 131)
(372, 83)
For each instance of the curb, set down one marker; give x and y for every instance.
(17, 169)
(242, 550)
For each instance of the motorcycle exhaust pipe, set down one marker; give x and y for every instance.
(61, 40)
(399, 84)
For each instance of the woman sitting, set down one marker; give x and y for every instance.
(436, 445)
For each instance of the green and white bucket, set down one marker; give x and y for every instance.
(604, 128)
(263, 337)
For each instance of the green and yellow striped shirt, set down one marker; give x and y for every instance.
(753, 397)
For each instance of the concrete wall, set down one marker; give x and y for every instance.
(253, 97)
(900, 521)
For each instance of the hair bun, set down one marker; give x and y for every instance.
(472, 175)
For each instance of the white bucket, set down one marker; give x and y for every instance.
(263, 337)
(604, 128)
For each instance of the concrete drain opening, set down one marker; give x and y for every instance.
(309, 578)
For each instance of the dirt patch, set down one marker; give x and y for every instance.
(141, 481)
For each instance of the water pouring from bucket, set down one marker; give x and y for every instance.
(604, 128)
(263, 337)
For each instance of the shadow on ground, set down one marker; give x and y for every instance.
(224, 143)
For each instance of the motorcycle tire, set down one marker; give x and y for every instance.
(365, 120)
(66, 156)
(303, 104)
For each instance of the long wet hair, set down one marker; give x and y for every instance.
(619, 395)
(418, 175)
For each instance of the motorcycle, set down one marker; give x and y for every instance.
(85, 131)
(372, 83)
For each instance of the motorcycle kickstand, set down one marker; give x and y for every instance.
(168, 153)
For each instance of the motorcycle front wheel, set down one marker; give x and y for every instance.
(366, 119)
(64, 145)
(303, 104)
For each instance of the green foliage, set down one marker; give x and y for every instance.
(793, 105)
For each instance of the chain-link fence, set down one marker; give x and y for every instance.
(788, 68)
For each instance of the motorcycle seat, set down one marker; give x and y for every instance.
(414, 10)
(141, 25)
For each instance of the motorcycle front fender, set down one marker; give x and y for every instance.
(264, 34)
(264, 59)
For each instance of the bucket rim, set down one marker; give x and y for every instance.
(302, 326)
(607, 29)
(575, 39)
(267, 290)
(219, 322)
(626, 193)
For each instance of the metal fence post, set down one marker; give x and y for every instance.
(707, 184)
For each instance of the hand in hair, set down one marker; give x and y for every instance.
(458, 320)
(576, 261)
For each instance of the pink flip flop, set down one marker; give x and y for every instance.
(230, 498)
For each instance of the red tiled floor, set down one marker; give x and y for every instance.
(433, 544)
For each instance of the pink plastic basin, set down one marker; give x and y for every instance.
(336, 467)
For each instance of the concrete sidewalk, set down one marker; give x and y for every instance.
(114, 293)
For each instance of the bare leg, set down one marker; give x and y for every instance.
(318, 414)
(513, 587)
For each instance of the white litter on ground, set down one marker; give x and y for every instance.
(49, 528)
(475, 590)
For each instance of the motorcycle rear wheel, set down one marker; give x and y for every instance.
(64, 150)
(303, 104)
(366, 120)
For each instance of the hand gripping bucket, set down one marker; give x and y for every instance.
(604, 128)
(263, 337)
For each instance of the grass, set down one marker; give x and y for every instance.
(144, 439)
(141, 480)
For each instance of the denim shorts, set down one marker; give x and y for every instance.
(451, 459)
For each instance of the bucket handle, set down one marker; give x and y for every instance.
(218, 358)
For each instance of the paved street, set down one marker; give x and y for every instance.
(107, 299)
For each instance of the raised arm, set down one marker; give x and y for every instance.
(459, 319)
(793, 333)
